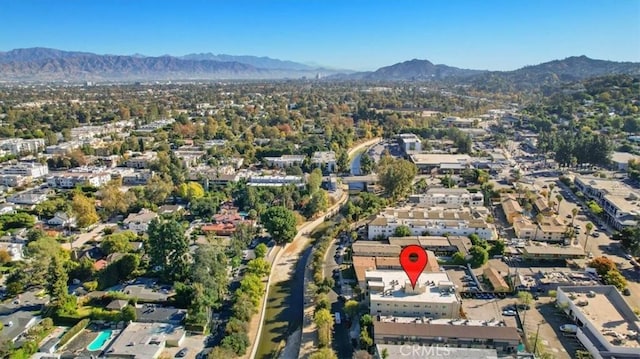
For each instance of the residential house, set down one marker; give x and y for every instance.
(62, 219)
(139, 222)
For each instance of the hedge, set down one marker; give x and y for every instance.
(73, 331)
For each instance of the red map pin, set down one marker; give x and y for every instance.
(413, 259)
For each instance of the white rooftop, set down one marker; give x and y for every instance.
(431, 287)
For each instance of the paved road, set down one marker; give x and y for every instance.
(86, 237)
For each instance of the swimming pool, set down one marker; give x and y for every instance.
(99, 342)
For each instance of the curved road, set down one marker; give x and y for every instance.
(290, 255)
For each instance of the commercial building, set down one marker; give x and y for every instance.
(606, 326)
(325, 160)
(423, 221)
(448, 198)
(449, 163)
(439, 245)
(461, 333)
(410, 142)
(620, 202)
(389, 292)
(145, 340)
(453, 121)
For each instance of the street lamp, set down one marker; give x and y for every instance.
(535, 343)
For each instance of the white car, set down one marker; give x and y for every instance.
(569, 328)
(509, 313)
(628, 256)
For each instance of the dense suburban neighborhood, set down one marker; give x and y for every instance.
(266, 220)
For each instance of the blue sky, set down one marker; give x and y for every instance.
(358, 34)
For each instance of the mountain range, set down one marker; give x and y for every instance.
(43, 64)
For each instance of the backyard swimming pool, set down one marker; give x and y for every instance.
(99, 342)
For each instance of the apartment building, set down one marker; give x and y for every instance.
(449, 163)
(460, 333)
(447, 197)
(438, 222)
(33, 170)
(620, 202)
(68, 180)
(325, 159)
(275, 181)
(18, 146)
(284, 161)
(141, 160)
(389, 292)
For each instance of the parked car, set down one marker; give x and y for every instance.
(509, 313)
(569, 328)
(182, 353)
(626, 292)
(628, 256)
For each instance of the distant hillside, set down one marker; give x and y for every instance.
(41, 64)
(416, 70)
(552, 73)
(260, 62)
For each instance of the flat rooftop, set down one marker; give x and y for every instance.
(427, 289)
(143, 340)
(607, 318)
(419, 352)
(437, 158)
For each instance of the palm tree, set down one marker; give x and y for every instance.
(559, 198)
(551, 187)
(574, 213)
(588, 228)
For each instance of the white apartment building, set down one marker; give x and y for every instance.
(326, 159)
(410, 142)
(284, 161)
(63, 148)
(447, 197)
(69, 180)
(275, 181)
(34, 170)
(621, 203)
(430, 222)
(389, 293)
(17, 146)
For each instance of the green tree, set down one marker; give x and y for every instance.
(402, 231)
(128, 313)
(352, 308)
(261, 250)
(114, 200)
(259, 267)
(629, 237)
(396, 176)
(498, 248)
(479, 256)
(319, 203)
(85, 210)
(210, 269)
(168, 248)
(366, 164)
(314, 181)
(324, 353)
(191, 191)
(342, 162)
(236, 342)
(365, 340)
(118, 242)
(324, 322)
(280, 222)
(158, 189)
(615, 278)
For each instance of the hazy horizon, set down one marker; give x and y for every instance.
(356, 35)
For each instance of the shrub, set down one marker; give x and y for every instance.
(73, 331)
